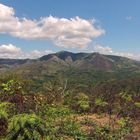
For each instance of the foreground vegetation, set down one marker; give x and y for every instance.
(60, 112)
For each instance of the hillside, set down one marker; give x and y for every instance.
(80, 69)
(65, 62)
(91, 60)
(77, 60)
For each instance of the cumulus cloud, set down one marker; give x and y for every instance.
(109, 51)
(12, 51)
(63, 32)
(103, 50)
(9, 51)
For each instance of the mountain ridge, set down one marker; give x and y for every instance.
(80, 69)
(77, 60)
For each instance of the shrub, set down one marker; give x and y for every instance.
(4, 113)
(26, 127)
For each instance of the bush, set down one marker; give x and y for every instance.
(26, 127)
(4, 113)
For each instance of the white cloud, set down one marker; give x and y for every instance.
(36, 54)
(103, 50)
(12, 51)
(74, 32)
(9, 51)
(109, 51)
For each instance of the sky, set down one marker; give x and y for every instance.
(32, 28)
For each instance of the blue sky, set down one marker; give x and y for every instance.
(116, 23)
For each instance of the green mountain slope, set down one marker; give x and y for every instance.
(80, 69)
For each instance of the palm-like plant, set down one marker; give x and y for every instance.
(4, 113)
(26, 127)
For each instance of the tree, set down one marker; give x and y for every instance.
(126, 103)
(100, 104)
(55, 91)
(12, 92)
(80, 102)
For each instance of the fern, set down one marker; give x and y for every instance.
(26, 127)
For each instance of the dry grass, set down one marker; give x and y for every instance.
(102, 120)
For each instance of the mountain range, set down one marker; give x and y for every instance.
(81, 61)
(80, 69)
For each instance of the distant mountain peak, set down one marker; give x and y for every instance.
(60, 52)
(93, 60)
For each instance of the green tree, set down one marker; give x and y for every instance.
(126, 103)
(80, 102)
(12, 92)
(100, 104)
